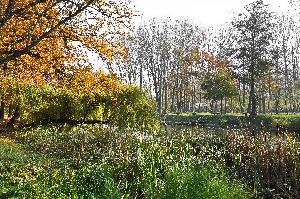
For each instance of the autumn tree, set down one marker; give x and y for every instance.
(25, 24)
(41, 40)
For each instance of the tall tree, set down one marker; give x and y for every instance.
(162, 58)
(253, 37)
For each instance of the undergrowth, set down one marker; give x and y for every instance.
(95, 162)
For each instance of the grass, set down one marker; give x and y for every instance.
(94, 162)
(269, 164)
(88, 161)
(289, 122)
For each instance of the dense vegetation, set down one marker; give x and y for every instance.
(252, 62)
(90, 161)
(69, 130)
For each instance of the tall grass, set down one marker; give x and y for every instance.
(269, 164)
(91, 161)
(95, 162)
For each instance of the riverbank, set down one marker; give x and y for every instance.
(268, 122)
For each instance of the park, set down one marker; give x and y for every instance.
(99, 101)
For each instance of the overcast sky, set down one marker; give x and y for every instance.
(206, 12)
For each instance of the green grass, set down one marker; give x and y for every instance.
(92, 162)
(88, 161)
(289, 122)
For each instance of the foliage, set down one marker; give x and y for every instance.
(103, 98)
(175, 55)
(90, 161)
(252, 47)
(289, 122)
(219, 85)
(253, 37)
(46, 44)
(133, 109)
(179, 162)
(269, 163)
(36, 31)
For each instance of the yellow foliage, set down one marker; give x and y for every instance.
(86, 80)
(40, 44)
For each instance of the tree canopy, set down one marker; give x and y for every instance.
(48, 31)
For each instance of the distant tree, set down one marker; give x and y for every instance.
(219, 85)
(297, 94)
(252, 48)
(164, 56)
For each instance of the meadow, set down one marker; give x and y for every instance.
(95, 105)
(92, 161)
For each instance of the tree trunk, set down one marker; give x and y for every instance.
(165, 97)
(16, 115)
(2, 109)
(244, 95)
(241, 103)
(260, 102)
(270, 94)
(141, 76)
(252, 82)
(253, 97)
(216, 106)
(225, 105)
(221, 110)
(263, 104)
(277, 101)
(10, 110)
(194, 99)
(180, 99)
(173, 101)
(286, 79)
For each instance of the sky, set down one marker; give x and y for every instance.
(206, 12)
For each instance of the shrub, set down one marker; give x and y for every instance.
(126, 108)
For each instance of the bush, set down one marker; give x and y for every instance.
(126, 108)
(133, 109)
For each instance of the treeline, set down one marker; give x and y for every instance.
(249, 65)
